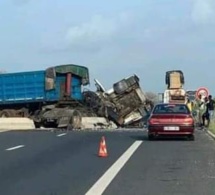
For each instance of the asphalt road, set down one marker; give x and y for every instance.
(44, 163)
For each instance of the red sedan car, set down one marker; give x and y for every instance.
(172, 120)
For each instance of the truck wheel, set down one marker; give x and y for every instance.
(167, 77)
(75, 121)
(120, 86)
(7, 113)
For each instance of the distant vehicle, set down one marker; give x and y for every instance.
(191, 94)
(160, 97)
(172, 120)
(175, 92)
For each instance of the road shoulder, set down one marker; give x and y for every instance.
(211, 134)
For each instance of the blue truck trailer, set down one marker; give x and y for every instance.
(26, 93)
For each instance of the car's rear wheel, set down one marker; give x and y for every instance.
(191, 137)
(151, 137)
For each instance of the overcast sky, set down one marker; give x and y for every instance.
(113, 38)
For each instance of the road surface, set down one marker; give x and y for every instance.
(66, 163)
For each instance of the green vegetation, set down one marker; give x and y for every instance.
(212, 126)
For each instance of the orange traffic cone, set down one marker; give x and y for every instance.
(102, 148)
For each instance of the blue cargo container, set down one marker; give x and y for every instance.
(43, 86)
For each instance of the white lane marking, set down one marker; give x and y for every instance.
(211, 134)
(209, 137)
(100, 186)
(62, 134)
(16, 147)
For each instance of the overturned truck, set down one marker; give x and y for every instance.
(124, 104)
(55, 98)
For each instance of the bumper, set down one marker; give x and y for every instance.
(159, 130)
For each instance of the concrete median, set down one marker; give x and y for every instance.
(16, 124)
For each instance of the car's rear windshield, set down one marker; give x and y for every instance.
(171, 108)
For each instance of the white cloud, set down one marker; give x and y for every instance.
(136, 42)
(203, 11)
(97, 31)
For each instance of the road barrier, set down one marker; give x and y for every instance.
(16, 124)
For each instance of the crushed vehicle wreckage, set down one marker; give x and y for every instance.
(125, 104)
(54, 98)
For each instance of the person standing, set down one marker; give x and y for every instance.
(205, 115)
(209, 109)
(211, 103)
(189, 104)
(200, 109)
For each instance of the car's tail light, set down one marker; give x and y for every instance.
(189, 120)
(153, 121)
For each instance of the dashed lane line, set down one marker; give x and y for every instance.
(15, 147)
(62, 134)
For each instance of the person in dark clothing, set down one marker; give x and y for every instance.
(205, 115)
(210, 108)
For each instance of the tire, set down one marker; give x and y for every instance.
(168, 73)
(167, 78)
(151, 137)
(37, 118)
(75, 121)
(120, 87)
(191, 137)
(7, 113)
(37, 125)
(182, 79)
